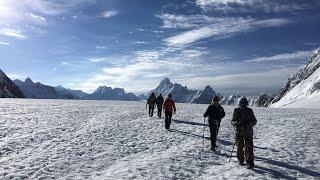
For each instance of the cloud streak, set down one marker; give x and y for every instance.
(222, 28)
(4, 43)
(299, 55)
(108, 14)
(247, 6)
(16, 33)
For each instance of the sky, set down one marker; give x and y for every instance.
(237, 46)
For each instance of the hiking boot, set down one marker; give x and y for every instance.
(241, 164)
(213, 148)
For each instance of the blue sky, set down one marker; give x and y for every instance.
(236, 46)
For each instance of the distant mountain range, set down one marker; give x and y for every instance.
(301, 90)
(41, 91)
(108, 93)
(182, 94)
(7, 88)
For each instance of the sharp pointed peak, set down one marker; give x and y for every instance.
(28, 80)
(165, 81)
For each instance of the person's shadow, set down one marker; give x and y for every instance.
(277, 174)
(259, 169)
(189, 122)
(188, 134)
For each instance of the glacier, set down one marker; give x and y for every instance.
(72, 139)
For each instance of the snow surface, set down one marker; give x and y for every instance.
(302, 90)
(42, 139)
(306, 94)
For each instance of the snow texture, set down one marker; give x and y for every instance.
(303, 88)
(305, 94)
(43, 139)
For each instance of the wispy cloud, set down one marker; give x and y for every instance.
(311, 44)
(299, 55)
(143, 69)
(37, 19)
(266, 6)
(140, 42)
(101, 47)
(64, 63)
(16, 76)
(29, 16)
(107, 14)
(222, 28)
(16, 33)
(4, 43)
(184, 21)
(243, 83)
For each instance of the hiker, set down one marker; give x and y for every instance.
(151, 102)
(215, 112)
(243, 121)
(169, 108)
(159, 103)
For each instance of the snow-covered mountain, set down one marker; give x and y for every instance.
(7, 88)
(142, 97)
(302, 89)
(182, 94)
(108, 93)
(233, 100)
(64, 91)
(41, 91)
(264, 100)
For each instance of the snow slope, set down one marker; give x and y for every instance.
(306, 94)
(303, 88)
(42, 139)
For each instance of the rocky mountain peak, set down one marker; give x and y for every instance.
(28, 81)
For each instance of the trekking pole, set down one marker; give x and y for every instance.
(204, 122)
(232, 149)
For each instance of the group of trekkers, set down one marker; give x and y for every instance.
(167, 105)
(243, 120)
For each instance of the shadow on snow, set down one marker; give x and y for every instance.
(189, 122)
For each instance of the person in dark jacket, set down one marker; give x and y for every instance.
(215, 112)
(151, 102)
(159, 103)
(243, 121)
(169, 108)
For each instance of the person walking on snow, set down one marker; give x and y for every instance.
(151, 102)
(215, 112)
(243, 121)
(169, 108)
(159, 103)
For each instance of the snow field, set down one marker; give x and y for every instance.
(42, 139)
